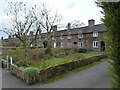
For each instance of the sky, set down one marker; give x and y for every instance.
(70, 10)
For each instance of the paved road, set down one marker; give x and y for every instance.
(93, 77)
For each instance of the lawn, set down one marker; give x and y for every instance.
(56, 61)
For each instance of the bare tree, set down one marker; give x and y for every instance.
(76, 24)
(23, 21)
(48, 18)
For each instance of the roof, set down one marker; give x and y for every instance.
(86, 29)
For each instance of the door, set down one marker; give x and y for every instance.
(54, 45)
(102, 46)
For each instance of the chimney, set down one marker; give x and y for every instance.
(1, 38)
(69, 26)
(54, 28)
(9, 36)
(91, 22)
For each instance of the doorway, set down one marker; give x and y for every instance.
(102, 46)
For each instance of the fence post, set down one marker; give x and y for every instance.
(7, 59)
(11, 61)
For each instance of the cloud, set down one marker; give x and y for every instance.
(70, 9)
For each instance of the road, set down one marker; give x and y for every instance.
(93, 77)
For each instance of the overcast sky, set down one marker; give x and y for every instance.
(82, 10)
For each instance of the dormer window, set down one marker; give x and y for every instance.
(80, 35)
(53, 38)
(95, 34)
(61, 37)
(69, 35)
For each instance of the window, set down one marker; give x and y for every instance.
(69, 44)
(95, 34)
(80, 44)
(61, 37)
(53, 38)
(80, 35)
(69, 37)
(62, 45)
(95, 44)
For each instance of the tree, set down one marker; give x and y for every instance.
(23, 21)
(48, 18)
(76, 24)
(111, 11)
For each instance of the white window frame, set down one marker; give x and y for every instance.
(95, 44)
(80, 36)
(53, 38)
(95, 34)
(69, 37)
(61, 37)
(80, 44)
(62, 45)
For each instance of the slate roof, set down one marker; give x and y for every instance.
(86, 29)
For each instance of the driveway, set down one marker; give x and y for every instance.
(93, 77)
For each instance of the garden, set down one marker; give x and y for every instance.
(40, 59)
(39, 64)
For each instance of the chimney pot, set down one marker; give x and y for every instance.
(91, 22)
(69, 26)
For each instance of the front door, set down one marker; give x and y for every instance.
(54, 45)
(102, 46)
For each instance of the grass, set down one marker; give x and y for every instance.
(57, 61)
(89, 54)
(61, 76)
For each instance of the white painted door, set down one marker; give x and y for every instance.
(54, 45)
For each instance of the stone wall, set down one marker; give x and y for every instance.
(53, 71)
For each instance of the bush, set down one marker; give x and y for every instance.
(82, 50)
(48, 51)
(31, 75)
(21, 63)
(45, 43)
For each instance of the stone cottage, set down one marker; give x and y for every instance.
(90, 37)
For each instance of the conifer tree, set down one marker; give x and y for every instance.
(111, 11)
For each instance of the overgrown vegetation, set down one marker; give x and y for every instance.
(40, 58)
(31, 75)
(111, 11)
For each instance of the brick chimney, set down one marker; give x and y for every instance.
(69, 26)
(54, 28)
(91, 22)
